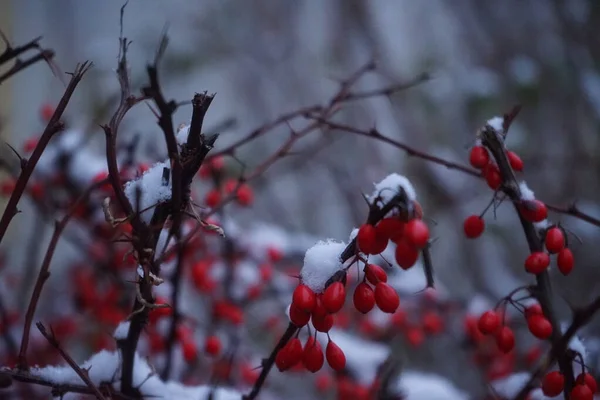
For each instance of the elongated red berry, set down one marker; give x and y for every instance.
(479, 157)
(334, 297)
(312, 356)
(304, 298)
(537, 262)
(539, 326)
(364, 298)
(474, 226)
(212, 346)
(533, 210)
(298, 317)
(492, 176)
(406, 255)
(515, 161)
(581, 392)
(322, 324)
(375, 274)
(505, 339)
(588, 380)
(553, 383)
(369, 241)
(335, 356)
(416, 233)
(554, 240)
(386, 298)
(489, 322)
(565, 261)
(391, 228)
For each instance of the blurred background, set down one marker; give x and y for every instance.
(264, 58)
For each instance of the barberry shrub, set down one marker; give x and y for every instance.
(172, 295)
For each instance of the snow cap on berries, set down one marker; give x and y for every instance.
(390, 186)
(321, 262)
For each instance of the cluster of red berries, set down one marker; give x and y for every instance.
(384, 296)
(409, 235)
(480, 159)
(555, 243)
(553, 384)
(490, 323)
(214, 167)
(310, 356)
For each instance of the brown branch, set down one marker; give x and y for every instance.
(493, 140)
(376, 214)
(581, 317)
(57, 388)
(54, 126)
(571, 210)
(19, 66)
(81, 373)
(44, 274)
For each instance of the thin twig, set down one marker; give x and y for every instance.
(54, 126)
(80, 372)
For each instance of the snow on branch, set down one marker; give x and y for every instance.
(321, 262)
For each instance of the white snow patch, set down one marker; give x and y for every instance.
(526, 193)
(105, 367)
(363, 357)
(496, 123)
(152, 190)
(389, 187)
(510, 386)
(418, 386)
(122, 330)
(320, 262)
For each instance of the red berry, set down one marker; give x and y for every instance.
(582, 392)
(386, 298)
(245, 195)
(30, 144)
(334, 297)
(406, 255)
(189, 350)
(293, 352)
(213, 198)
(553, 384)
(489, 322)
(46, 112)
(335, 356)
(8, 186)
(555, 240)
(416, 233)
(298, 317)
(479, 157)
(322, 324)
(415, 336)
(474, 226)
(588, 380)
(364, 298)
(505, 339)
(391, 228)
(533, 210)
(282, 359)
(304, 298)
(274, 254)
(565, 261)
(375, 274)
(539, 326)
(537, 262)
(319, 311)
(535, 308)
(492, 176)
(212, 346)
(323, 383)
(432, 323)
(312, 356)
(515, 161)
(369, 241)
